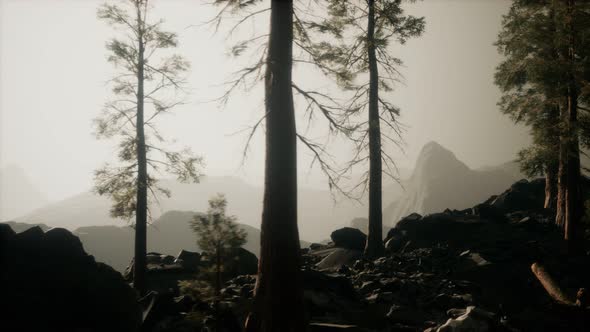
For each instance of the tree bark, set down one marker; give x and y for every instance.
(374, 247)
(278, 299)
(573, 201)
(140, 265)
(550, 186)
(562, 171)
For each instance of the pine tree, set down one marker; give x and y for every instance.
(366, 30)
(218, 236)
(142, 89)
(543, 84)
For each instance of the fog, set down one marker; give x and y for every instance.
(54, 71)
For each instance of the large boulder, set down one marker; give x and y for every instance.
(522, 195)
(349, 238)
(244, 263)
(48, 282)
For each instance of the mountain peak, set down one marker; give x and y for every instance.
(434, 160)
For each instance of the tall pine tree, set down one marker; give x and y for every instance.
(362, 62)
(544, 83)
(142, 88)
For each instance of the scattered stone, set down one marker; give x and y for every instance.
(349, 238)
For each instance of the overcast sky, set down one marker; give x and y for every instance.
(53, 71)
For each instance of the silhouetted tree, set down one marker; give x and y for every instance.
(366, 30)
(218, 236)
(278, 301)
(145, 88)
(543, 82)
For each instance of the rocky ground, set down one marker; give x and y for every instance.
(453, 271)
(464, 270)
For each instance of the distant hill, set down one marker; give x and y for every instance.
(441, 181)
(18, 195)
(167, 235)
(318, 216)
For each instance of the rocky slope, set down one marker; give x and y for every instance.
(454, 271)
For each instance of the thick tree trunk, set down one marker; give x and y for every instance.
(139, 267)
(573, 201)
(278, 299)
(374, 247)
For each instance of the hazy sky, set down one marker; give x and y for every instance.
(53, 71)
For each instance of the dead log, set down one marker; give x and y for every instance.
(551, 285)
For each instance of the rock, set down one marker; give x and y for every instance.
(188, 260)
(473, 319)
(167, 259)
(324, 327)
(489, 212)
(338, 258)
(522, 195)
(395, 241)
(245, 263)
(408, 219)
(406, 315)
(317, 246)
(67, 290)
(349, 238)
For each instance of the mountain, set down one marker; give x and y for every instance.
(18, 195)
(318, 215)
(442, 181)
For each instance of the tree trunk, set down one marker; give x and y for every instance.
(278, 299)
(573, 201)
(562, 169)
(217, 287)
(374, 247)
(139, 268)
(550, 185)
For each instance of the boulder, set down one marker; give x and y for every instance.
(473, 319)
(245, 263)
(338, 258)
(522, 195)
(48, 282)
(349, 238)
(408, 219)
(188, 260)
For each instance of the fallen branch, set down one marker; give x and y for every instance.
(551, 286)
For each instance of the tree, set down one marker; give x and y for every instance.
(146, 87)
(218, 236)
(543, 80)
(278, 299)
(372, 25)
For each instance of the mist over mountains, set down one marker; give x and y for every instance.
(18, 194)
(438, 181)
